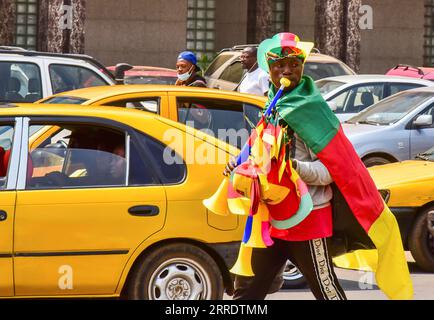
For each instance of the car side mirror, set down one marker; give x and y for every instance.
(423, 120)
(332, 105)
(120, 72)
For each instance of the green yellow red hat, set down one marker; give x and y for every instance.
(280, 46)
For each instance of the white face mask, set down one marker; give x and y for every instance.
(185, 76)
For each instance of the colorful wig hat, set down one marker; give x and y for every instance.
(280, 46)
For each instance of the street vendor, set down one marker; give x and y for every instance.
(305, 244)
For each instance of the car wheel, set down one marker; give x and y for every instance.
(375, 161)
(176, 272)
(421, 240)
(293, 278)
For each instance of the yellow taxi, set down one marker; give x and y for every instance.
(408, 189)
(108, 203)
(204, 109)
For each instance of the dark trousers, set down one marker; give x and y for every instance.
(310, 257)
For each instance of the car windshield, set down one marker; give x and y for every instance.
(427, 155)
(326, 86)
(318, 70)
(392, 109)
(65, 100)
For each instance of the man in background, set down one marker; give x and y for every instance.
(255, 80)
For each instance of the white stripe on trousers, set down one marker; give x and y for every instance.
(323, 271)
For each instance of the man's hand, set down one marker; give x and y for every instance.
(230, 166)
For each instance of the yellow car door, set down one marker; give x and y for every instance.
(74, 229)
(10, 131)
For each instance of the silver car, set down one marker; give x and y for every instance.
(348, 95)
(394, 129)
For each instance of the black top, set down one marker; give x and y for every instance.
(196, 81)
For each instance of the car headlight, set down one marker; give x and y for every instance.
(385, 194)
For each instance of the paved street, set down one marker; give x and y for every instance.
(360, 285)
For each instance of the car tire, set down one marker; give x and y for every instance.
(421, 242)
(176, 272)
(293, 278)
(375, 161)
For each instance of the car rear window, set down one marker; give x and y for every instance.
(65, 100)
(323, 70)
(217, 63)
(326, 86)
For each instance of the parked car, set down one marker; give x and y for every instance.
(229, 110)
(70, 225)
(394, 129)
(413, 72)
(348, 95)
(222, 110)
(27, 76)
(225, 71)
(147, 75)
(408, 189)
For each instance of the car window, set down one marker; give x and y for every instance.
(20, 82)
(326, 86)
(170, 170)
(397, 87)
(253, 114)
(318, 70)
(224, 119)
(217, 63)
(392, 109)
(6, 135)
(65, 100)
(356, 99)
(151, 104)
(69, 77)
(233, 73)
(78, 156)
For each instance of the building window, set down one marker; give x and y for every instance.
(201, 27)
(428, 56)
(280, 14)
(26, 23)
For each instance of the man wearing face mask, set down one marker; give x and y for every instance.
(188, 70)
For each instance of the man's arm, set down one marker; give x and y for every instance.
(311, 170)
(264, 82)
(313, 173)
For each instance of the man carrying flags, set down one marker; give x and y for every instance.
(320, 154)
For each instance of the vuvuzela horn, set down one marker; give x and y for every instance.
(217, 203)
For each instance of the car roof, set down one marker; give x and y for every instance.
(360, 78)
(21, 54)
(101, 92)
(313, 56)
(147, 71)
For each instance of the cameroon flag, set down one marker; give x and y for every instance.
(306, 112)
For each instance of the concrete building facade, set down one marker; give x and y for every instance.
(145, 32)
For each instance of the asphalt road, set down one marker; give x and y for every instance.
(359, 285)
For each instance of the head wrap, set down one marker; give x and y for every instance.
(188, 56)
